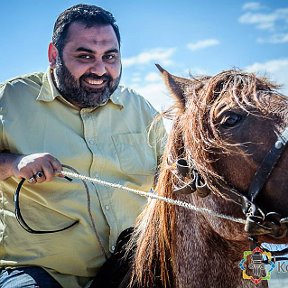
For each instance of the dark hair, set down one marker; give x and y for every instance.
(89, 15)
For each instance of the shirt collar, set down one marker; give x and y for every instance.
(115, 97)
(49, 92)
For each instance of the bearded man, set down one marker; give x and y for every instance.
(75, 114)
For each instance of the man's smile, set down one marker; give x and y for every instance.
(94, 83)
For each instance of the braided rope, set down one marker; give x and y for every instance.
(154, 196)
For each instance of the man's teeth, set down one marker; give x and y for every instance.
(94, 82)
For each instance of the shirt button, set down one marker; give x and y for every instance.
(107, 207)
(112, 248)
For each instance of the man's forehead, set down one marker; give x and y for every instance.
(95, 34)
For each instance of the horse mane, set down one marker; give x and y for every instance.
(194, 136)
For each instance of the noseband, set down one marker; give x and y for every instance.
(257, 222)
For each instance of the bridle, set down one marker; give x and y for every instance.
(257, 222)
(272, 223)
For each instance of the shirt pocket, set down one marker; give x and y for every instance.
(134, 153)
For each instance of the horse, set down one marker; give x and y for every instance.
(226, 156)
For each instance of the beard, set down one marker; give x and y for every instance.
(76, 93)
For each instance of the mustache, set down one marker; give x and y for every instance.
(104, 77)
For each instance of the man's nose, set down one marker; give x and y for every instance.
(98, 68)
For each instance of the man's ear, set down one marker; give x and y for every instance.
(52, 55)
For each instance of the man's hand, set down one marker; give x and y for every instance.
(38, 167)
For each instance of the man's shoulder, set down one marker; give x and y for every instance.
(125, 91)
(21, 85)
(26, 79)
(128, 96)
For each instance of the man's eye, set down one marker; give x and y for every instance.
(84, 57)
(109, 57)
(230, 120)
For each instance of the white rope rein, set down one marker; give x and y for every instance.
(154, 196)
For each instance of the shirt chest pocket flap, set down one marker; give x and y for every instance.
(134, 153)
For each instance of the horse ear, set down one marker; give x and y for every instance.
(176, 86)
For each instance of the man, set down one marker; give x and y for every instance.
(74, 114)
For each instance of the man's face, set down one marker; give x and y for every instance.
(89, 69)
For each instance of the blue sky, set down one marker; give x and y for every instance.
(184, 36)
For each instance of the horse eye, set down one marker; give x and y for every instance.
(230, 120)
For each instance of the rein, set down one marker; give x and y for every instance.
(21, 220)
(256, 223)
(26, 227)
(151, 194)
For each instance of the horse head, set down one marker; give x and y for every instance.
(231, 132)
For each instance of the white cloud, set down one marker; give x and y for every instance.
(203, 44)
(260, 20)
(273, 22)
(266, 21)
(252, 6)
(152, 77)
(156, 93)
(275, 39)
(276, 70)
(136, 78)
(154, 55)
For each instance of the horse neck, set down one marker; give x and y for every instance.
(204, 258)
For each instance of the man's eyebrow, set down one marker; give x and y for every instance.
(83, 49)
(112, 51)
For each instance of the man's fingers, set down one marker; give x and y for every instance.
(37, 168)
(48, 172)
(57, 166)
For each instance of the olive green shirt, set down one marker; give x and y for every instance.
(111, 143)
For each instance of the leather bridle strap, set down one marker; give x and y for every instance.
(267, 165)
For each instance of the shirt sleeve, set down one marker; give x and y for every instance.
(161, 139)
(2, 89)
(5, 93)
(158, 136)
